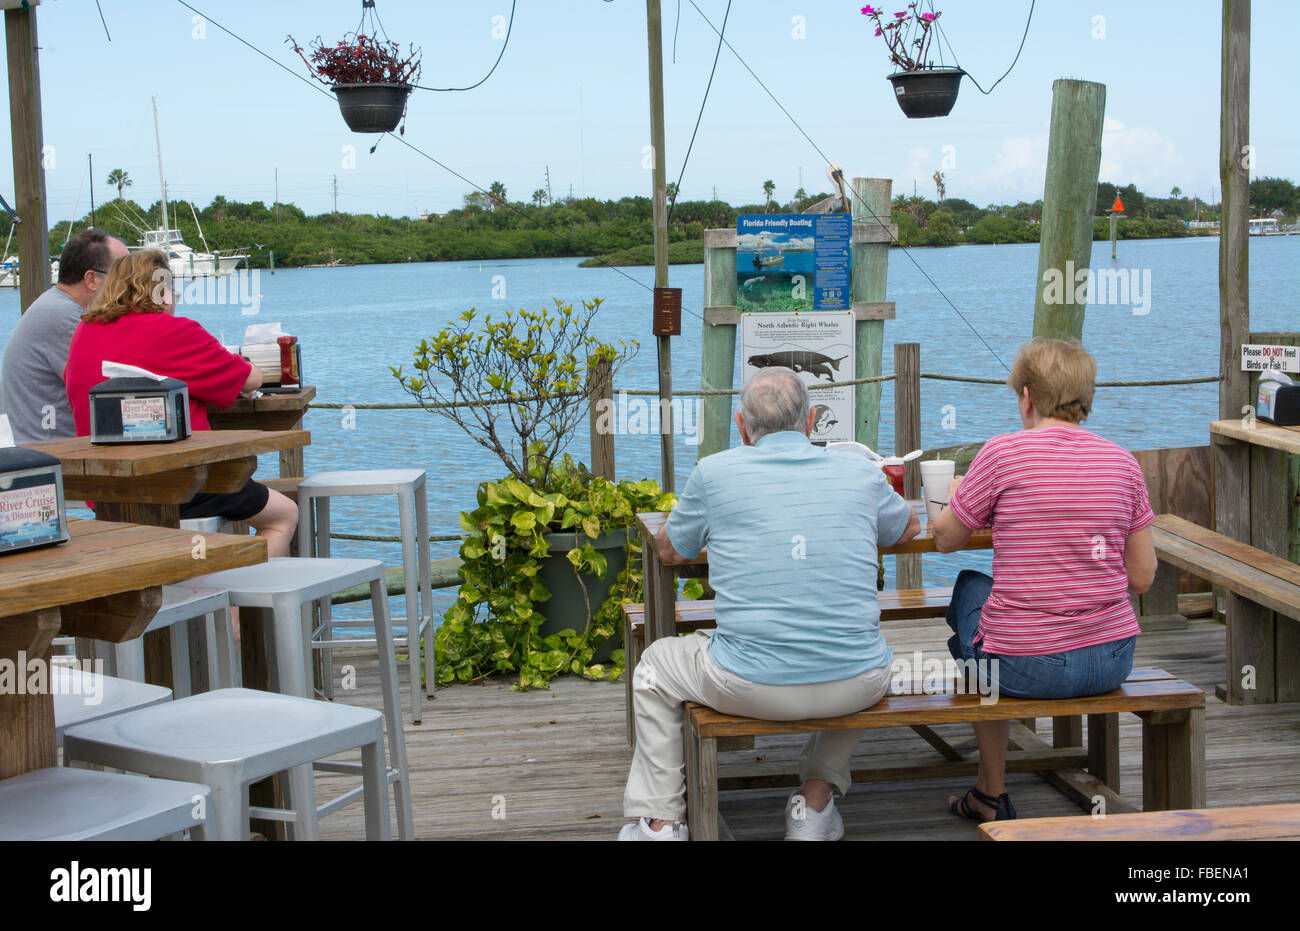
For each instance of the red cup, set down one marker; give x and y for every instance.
(895, 475)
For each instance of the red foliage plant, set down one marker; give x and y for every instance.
(360, 60)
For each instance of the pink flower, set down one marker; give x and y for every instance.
(878, 32)
(902, 15)
(869, 10)
(928, 17)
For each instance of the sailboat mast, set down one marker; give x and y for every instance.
(158, 142)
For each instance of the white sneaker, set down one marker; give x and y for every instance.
(640, 830)
(814, 825)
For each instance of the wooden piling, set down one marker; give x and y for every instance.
(600, 416)
(907, 437)
(872, 201)
(28, 145)
(654, 31)
(1069, 203)
(718, 340)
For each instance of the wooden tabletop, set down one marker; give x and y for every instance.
(1254, 822)
(132, 460)
(649, 523)
(295, 401)
(1265, 434)
(103, 558)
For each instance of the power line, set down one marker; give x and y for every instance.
(678, 187)
(509, 28)
(944, 36)
(827, 160)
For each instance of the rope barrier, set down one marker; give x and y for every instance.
(371, 538)
(714, 392)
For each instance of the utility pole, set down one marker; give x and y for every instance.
(654, 24)
(715, 192)
(549, 198)
(29, 171)
(336, 193)
(91, 160)
(277, 192)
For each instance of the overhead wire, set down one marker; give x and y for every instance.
(677, 188)
(944, 36)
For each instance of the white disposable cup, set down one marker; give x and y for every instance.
(936, 476)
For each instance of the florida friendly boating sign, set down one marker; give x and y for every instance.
(788, 262)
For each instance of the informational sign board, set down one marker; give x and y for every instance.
(792, 262)
(1262, 357)
(819, 348)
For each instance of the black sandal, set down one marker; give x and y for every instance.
(1002, 807)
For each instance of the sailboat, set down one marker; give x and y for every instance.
(185, 262)
(769, 260)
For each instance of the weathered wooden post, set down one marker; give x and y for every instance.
(600, 416)
(28, 152)
(718, 341)
(1069, 204)
(872, 234)
(907, 437)
(654, 30)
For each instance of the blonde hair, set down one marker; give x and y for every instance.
(1060, 376)
(139, 281)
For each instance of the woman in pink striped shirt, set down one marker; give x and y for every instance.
(1071, 539)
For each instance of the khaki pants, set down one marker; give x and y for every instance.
(679, 669)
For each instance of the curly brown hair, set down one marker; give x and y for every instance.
(1060, 376)
(141, 281)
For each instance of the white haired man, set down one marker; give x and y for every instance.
(792, 532)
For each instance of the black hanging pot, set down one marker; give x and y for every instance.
(372, 108)
(928, 92)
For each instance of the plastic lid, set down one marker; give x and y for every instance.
(17, 458)
(136, 384)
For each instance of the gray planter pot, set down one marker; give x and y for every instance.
(566, 607)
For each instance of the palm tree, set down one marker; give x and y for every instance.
(1176, 192)
(497, 194)
(539, 196)
(769, 188)
(119, 179)
(940, 186)
(671, 192)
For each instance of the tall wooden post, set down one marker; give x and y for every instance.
(28, 146)
(1069, 204)
(654, 23)
(872, 201)
(907, 437)
(718, 343)
(600, 414)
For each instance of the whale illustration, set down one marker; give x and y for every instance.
(803, 360)
(825, 419)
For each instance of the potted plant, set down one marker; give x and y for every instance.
(371, 79)
(921, 89)
(549, 557)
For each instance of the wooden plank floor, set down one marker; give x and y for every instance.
(552, 764)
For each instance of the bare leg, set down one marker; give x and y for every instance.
(816, 793)
(277, 522)
(991, 738)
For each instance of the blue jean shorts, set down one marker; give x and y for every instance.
(1092, 670)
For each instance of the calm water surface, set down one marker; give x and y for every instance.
(356, 322)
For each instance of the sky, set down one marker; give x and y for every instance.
(571, 96)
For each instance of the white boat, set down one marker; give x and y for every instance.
(185, 262)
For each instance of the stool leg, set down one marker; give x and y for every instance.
(227, 806)
(287, 626)
(326, 616)
(223, 649)
(426, 584)
(374, 772)
(410, 577)
(392, 710)
(302, 798)
(180, 647)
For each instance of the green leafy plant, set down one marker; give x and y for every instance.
(533, 367)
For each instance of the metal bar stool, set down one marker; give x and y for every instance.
(412, 505)
(288, 586)
(81, 697)
(228, 739)
(81, 804)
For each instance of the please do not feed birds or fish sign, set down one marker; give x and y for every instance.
(1260, 357)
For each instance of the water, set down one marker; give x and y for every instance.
(356, 322)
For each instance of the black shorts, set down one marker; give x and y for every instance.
(248, 502)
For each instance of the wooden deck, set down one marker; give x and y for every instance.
(552, 764)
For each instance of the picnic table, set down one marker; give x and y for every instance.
(146, 483)
(269, 412)
(661, 587)
(104, 583)
(1252, 506)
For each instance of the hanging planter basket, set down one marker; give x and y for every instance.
(927, 92)
(372, 108)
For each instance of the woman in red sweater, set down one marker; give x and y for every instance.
(132, 321)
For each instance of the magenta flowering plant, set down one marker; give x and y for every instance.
(360, 59)
(906, 34)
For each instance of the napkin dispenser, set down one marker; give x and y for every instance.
(135, 409)
(280, 364)
(1278, 403)
(32, 511)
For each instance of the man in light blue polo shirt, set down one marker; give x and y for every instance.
(792, 532)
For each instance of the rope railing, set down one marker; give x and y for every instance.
(715, 392)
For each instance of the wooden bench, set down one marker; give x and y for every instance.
(1173, 746)
(1251, 822)
(895, 605)
(1258, 584)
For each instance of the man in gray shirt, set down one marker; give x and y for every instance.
(32, 391)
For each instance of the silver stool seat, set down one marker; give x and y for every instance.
(230, 738)
(288, 586)
(81, 697)
(81, 804)
(314, 494)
